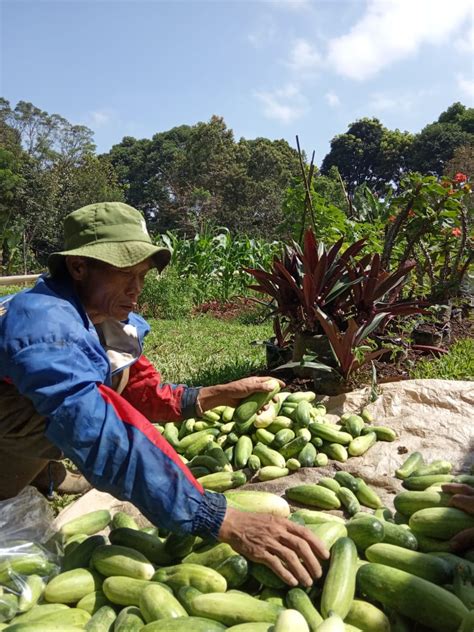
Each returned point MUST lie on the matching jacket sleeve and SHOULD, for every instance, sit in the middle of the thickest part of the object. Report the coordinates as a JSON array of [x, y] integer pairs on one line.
[[156, 400], [116, 448]]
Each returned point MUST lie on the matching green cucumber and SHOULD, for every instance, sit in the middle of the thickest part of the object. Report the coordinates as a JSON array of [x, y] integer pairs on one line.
[[339, 585]]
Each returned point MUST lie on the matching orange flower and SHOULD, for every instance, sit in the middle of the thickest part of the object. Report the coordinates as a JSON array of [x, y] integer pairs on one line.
[[460, 178], [456, 232], [411, 213], [392, 218]]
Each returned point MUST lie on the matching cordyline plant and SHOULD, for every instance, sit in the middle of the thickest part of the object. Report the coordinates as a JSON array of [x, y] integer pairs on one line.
[[315, 290]]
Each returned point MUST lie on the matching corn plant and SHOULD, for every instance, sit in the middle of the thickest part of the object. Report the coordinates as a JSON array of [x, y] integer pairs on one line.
[[216, 261]]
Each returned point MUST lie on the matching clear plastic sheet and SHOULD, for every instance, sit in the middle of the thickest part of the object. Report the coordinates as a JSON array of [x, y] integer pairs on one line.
[[28, 551]]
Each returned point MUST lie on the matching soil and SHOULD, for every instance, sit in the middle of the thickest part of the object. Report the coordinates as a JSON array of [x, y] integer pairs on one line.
[[388, 369]]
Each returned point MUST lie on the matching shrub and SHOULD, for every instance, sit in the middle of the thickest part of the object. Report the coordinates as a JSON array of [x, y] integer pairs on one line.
[[167, 296]]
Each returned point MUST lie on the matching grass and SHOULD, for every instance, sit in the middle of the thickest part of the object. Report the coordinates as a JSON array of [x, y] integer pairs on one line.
[[457, 364], [203, 350]]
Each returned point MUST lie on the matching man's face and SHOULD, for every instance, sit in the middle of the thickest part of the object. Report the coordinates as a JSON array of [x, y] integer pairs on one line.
[[106, 291]]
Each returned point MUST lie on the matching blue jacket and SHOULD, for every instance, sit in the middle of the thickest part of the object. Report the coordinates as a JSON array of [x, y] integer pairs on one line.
[[51, 352]]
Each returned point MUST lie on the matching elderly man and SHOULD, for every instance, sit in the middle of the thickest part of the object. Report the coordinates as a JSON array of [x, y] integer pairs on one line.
[[74, 382]]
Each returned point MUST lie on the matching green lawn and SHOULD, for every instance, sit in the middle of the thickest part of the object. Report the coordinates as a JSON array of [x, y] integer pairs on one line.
[[458, 364], [205, 350]]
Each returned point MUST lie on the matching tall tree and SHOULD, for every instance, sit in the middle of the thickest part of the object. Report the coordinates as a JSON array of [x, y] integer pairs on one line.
[[368, 152]]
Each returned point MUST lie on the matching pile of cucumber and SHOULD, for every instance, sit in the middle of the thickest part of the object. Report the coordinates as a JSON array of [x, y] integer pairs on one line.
[[291, 432], [385, 573]]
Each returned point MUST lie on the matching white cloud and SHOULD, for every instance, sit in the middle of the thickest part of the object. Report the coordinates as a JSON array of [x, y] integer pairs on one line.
[[466, 86], [285, 105], [291, 4], [391, 30], [380, 102], [304, 57], [100, 118], [263, 34], [465, 44], [332, 98]]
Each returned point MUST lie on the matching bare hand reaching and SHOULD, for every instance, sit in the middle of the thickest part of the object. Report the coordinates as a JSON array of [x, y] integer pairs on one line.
[[463, 498], [231, 394], [288, 549]]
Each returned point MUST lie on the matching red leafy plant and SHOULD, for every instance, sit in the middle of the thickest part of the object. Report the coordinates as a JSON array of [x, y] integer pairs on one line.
[[343, 295]]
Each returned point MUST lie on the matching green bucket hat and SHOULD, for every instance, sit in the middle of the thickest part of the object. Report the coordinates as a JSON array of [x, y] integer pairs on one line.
[[112, 232]]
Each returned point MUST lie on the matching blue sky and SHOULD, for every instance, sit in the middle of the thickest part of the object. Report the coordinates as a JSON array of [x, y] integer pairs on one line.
[[272, 69]]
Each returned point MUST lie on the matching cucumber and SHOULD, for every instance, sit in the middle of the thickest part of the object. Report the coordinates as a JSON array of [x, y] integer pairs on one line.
[[281, 423], [270, 472], [80, 557], [419, 483], [314, 495], [400, 536], [259, 502], [293, 448], [222, 481], [234, 569], [39, 612], [349, 500], [254, 463], [330, 483], [252, 404], [409, 502], [330, 433], [321, 460], [205, 579], [366, 495], [339, 586], [273, 595], [365, 531], [310, 516], [418, 599], [408, 466], [242, 452], [282, 437], [266, 576], [436, 467], [328, 532], [268, 456], [157, 603], [440, 522], [360, 445], [300, 396], [303, 413], [292, 620], [32, 587], [122, 519], [102, 621], [112, 560], [129, 620], [184, 624], [297, 599], [432, 545], [71, 586], [93, 602], [211, 555], [383, 433], [354, 424], [307, 455], [265, 436], [234, 608], [335, 451], [293, 464], [124, 591], [347, 480], [367, 617], [88, 524], [420, 564]]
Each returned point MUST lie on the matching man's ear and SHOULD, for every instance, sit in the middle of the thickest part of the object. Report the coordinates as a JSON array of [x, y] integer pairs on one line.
[[77, 267]]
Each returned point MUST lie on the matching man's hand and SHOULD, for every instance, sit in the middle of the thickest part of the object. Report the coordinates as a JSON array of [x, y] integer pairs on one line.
[[287, 548], [232, 393], [463, 498]]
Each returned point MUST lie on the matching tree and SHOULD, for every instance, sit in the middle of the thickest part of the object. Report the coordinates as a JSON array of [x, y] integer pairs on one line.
[[368, 152], [192, 176], [435, 145]]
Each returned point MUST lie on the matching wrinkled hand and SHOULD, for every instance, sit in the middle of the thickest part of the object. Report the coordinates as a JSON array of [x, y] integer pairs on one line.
[[463, 498], [287, 548], [232, 393]]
